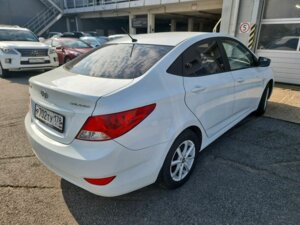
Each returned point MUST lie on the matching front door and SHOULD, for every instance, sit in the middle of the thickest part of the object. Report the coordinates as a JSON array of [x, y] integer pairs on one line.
[[247, 78], [209, 88]]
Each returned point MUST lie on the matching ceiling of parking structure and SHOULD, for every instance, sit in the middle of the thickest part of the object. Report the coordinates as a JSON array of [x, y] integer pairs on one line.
[[199, 15]]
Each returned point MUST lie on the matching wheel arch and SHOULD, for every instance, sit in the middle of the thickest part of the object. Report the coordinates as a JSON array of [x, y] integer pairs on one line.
[[197, 131], [271, 85]]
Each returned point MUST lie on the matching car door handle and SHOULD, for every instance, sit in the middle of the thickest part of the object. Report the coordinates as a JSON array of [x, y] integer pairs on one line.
[[198, 89], [240, 80]]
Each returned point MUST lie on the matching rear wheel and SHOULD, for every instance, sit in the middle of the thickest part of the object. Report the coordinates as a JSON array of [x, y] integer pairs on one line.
[[180, 160], [261, 109], [3, 72]]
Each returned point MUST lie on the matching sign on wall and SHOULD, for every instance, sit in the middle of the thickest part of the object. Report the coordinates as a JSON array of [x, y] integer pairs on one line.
[[245, 27], [139, 22]]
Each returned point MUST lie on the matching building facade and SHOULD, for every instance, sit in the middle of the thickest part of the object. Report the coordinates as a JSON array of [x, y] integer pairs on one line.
[[269, 27]]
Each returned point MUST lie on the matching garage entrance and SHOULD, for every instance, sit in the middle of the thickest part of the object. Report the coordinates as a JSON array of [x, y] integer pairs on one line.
[[279, 39]]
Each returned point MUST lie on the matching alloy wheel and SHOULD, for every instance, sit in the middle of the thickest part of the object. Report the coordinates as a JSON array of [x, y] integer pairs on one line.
[[182, 160]]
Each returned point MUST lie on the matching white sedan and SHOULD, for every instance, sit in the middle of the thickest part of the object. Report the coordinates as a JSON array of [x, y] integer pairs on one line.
[[137, 111]]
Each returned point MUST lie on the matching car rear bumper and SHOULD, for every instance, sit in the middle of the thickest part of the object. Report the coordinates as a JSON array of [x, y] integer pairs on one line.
[[80, 159]]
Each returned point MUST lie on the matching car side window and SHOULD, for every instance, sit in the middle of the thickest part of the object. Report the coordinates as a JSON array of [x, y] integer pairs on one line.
[[238, 56], [203, 58], [176, 67]]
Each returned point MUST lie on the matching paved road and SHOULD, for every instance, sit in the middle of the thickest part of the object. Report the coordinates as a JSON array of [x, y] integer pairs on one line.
[[251, 175]]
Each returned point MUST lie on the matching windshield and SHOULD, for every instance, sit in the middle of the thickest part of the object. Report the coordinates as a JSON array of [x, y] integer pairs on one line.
[[91, 41], [17, 35], [119, 61], [71, 43]]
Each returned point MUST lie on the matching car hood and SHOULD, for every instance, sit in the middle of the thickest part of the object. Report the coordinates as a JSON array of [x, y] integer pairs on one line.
[[23, 44]]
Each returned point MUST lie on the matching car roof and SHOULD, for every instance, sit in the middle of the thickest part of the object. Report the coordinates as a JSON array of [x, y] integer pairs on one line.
[[165, 38], [12, 27], [87, 37], [65, 39]]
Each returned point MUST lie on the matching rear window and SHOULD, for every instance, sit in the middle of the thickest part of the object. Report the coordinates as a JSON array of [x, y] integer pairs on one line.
[[120, 61]]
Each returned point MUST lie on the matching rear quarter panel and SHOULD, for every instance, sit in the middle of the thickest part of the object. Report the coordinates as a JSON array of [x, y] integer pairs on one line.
[[165, 123]]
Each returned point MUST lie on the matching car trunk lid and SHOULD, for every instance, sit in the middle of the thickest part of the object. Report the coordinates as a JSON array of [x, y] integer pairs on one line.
[[71, 96]]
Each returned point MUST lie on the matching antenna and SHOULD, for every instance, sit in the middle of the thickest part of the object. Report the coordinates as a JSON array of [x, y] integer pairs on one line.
[[132, 39]]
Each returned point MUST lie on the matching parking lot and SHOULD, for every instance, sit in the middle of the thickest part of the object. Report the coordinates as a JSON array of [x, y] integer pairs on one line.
[[251, 175]]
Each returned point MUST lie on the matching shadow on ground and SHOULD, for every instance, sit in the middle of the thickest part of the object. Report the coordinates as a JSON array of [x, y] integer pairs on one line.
[[20, 77], [251, 175]]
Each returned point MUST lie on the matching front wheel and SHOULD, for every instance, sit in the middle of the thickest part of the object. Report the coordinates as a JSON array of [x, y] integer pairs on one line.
[[180, 160], [261, 109], [3, 72], [67, 59]]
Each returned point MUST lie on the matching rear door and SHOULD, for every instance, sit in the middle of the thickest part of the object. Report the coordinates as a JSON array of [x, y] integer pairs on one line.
[[247, 76], [209, 87]]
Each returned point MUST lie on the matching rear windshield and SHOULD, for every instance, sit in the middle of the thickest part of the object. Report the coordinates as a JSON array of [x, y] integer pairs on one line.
[[17, 35], [120, 61]]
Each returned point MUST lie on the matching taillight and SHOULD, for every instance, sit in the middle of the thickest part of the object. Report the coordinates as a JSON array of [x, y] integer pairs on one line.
[[100, 181], [110, 126]]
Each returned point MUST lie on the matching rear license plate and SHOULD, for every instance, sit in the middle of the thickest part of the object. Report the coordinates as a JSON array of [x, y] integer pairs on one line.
[[36, 60], [50, 118]]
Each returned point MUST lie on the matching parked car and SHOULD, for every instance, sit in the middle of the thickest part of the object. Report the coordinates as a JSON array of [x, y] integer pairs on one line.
[[116, 36], [75, 34], [132, 113], [53, 34], [68, 48], [21, 50], [93, 41], [92, 33]]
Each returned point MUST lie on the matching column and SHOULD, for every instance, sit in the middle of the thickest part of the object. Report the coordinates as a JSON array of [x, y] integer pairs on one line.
[[68, 24], [132, 30], [191, 24], [173, 25], [151, 23]]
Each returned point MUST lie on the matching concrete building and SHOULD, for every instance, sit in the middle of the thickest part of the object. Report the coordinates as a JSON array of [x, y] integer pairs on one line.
[[269, 27]]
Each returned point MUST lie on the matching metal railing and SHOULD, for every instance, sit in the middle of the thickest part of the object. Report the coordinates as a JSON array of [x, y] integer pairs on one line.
[[69, 4], [43, 20]]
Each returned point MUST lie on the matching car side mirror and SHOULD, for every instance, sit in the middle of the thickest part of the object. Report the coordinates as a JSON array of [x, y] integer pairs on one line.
[[264, 62]]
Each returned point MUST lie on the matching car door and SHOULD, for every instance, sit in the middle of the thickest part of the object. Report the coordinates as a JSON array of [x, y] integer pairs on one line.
[[247, 78], [209, 87]]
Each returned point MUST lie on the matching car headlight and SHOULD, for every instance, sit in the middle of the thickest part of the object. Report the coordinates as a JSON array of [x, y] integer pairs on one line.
[[51, 51], [9, 51]]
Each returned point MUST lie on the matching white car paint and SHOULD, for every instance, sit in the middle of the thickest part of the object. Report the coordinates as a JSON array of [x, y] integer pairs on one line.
[[210, 103], [17, 58]]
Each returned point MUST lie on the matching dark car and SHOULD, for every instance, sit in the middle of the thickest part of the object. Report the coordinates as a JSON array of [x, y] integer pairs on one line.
[[68, 48], [74, 34], [54, 34]]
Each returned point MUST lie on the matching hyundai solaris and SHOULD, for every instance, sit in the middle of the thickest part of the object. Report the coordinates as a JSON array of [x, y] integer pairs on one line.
[[139, 110]]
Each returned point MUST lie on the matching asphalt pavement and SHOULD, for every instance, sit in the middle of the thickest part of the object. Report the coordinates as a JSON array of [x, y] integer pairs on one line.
[[251, 175]]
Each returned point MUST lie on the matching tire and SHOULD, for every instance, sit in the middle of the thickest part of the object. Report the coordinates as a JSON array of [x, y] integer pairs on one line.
[[67, 59], [261, 109], [3, 72], [173, 176]]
